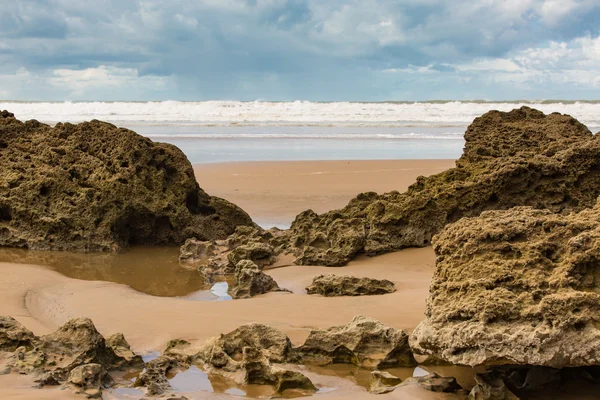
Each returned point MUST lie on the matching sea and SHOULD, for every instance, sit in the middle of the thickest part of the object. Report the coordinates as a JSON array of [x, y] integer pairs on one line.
[[234, 131]]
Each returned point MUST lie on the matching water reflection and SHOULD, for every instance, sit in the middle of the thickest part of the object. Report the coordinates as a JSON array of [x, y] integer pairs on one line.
[[152, 270]]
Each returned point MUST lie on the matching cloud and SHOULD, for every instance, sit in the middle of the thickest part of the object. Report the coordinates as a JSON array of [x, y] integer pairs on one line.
[[299, 49]]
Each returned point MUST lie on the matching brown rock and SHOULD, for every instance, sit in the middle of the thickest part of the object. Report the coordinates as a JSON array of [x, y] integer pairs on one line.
[[226, 351], [515, 287], [384, 382], [364, 342], [154, 377], [435, 383], [90, 376], [122, 349], [335, 285], [251, 281], [490, 386], [14, 335], [96, 187]]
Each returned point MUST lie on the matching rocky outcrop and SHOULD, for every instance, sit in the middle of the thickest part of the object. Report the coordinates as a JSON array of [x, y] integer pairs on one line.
[[517, 158], [96, 187], [364, 342], [76, 354], [335, 285], [154, 376], [516, 287], [251, 281]]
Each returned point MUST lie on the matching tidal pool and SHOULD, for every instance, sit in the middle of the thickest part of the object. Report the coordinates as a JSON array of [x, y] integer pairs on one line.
[[151, 270]]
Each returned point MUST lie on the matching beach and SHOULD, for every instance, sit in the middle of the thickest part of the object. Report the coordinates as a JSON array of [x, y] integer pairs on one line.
[[42, 299]]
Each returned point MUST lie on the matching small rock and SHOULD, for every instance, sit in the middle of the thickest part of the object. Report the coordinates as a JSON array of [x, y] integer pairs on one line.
[[334, 285], [259, 253], [490, 386], [251, 281], [364, 341], [384, 382]]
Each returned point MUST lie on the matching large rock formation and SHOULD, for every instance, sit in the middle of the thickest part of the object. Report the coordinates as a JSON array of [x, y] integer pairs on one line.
[[521, 157], [516, 287], [96, 187], [336, 285], [364, 342]]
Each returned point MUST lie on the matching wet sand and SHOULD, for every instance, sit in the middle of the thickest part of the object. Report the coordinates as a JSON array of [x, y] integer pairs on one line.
[[42, 298], [273, 193]]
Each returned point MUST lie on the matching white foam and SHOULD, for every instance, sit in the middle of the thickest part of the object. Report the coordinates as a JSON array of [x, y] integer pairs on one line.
[[297, 113]]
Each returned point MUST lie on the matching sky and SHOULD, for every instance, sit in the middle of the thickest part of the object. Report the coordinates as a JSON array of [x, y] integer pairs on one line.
[[320, 50]]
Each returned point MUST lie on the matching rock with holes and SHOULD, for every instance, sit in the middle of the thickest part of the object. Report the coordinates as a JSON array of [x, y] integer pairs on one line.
[[364, 341], [96, 187], [90, 376], [338, 285], [251, 281], [154, 376], [521, 157], [515, 287], [76, 355], [14, 335], [225, 352], [490, 386]]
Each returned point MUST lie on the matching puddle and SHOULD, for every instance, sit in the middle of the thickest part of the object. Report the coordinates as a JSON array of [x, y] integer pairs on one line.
[[192, 379], [151, 270], [362, 377]]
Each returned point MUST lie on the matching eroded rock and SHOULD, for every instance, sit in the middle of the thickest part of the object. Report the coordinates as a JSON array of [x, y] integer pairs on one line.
[[336, 285], [364, 341], [490, 386], [521, 157], [251, 281], [75, 354], [96, 187], [225, 352], [516, 287]]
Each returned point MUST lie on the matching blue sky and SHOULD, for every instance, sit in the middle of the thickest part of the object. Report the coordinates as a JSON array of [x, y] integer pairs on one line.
[[328, 50]]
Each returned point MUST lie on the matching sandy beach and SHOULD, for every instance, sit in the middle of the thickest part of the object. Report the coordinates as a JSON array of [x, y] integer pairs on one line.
[[42, 299], [273, 193]]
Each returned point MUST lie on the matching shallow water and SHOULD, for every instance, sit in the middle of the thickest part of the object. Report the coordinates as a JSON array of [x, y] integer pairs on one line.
[[151, 270]]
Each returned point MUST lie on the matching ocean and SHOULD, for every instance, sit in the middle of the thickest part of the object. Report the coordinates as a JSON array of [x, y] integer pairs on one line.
[[229, 131]]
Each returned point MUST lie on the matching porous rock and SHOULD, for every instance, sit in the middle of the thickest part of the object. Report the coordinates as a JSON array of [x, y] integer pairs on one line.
[[490, 386], [76, 353], [154, 377], [225, 352], [516, 158], [251, 281], [364, 342], [96, 187], [515, 287], [335, 285]]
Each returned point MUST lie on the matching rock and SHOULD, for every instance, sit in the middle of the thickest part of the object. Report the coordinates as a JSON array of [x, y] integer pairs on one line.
[[122, 349], [90, 376], [260, 254], [76, 343], [96, 187], [363, 342], [335, 285], [154, 376], [76, 353], [14, 335], [196, 251], [251, 281], [226, 351], [490, 386], [292, 380], [383, 382], [521, 157], [435, 383], [515, 287], [259, 371]]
